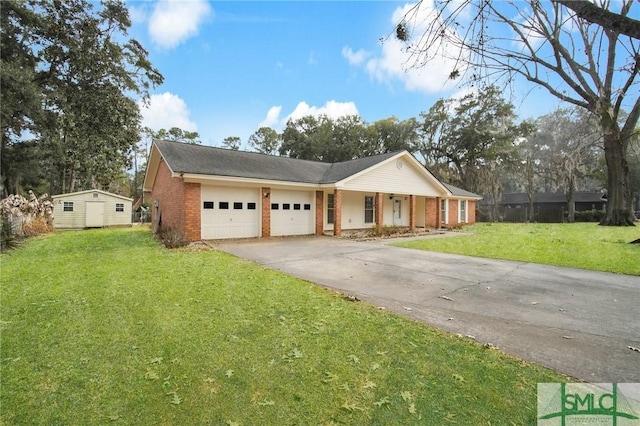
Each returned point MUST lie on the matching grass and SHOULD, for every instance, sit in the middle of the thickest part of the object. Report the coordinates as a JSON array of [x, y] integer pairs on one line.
[[577, 245], [108, 327]]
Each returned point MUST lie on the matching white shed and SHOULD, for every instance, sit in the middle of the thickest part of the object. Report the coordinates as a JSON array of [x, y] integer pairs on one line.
[[91, 209]]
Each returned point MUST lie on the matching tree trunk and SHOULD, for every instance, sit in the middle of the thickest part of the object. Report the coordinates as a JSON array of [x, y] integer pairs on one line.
[[571, 203], [618, 189]]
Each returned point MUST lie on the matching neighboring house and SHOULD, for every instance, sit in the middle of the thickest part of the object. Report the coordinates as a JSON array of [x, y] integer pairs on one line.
[[583, 200], [553, 206], [215, 193], [90, 209]]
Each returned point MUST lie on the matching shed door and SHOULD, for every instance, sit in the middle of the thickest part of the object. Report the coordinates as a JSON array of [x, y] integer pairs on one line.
[[94, 214]]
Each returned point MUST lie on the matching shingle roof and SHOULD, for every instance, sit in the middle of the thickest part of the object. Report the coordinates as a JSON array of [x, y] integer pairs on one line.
[[207, 160], [459, 192]]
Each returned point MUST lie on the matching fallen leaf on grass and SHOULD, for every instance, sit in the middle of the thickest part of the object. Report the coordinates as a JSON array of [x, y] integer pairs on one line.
[[458, 377], [354, 359], [406, 396], [412, 408], [369, 385], [157, 360], [229, 373], [351, 407], [383, 401], [266, 403]]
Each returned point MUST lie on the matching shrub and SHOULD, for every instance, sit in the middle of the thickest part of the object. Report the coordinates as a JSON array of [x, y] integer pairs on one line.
[[36, 226], [589, 216], [7, 237], [171, 237]]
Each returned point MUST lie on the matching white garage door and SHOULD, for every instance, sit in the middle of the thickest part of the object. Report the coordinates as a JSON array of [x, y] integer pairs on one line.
[[292, 213], [230, 212]]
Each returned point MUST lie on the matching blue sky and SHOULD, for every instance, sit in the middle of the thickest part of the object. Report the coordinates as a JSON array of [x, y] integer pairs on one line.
[[233, 66]]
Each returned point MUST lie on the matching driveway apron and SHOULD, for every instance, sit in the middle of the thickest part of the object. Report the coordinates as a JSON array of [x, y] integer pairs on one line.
[[582, 323]]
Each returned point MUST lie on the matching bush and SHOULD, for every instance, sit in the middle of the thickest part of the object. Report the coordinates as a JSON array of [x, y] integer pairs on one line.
[[589, 216], [36, 226], [7, 237], [171, 237]]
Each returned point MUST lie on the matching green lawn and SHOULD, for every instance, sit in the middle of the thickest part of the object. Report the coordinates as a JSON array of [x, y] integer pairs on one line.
[[577, 245], [108, 327]]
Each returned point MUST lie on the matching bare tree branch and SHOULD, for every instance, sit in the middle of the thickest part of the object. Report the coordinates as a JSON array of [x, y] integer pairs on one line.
[[606, 19]]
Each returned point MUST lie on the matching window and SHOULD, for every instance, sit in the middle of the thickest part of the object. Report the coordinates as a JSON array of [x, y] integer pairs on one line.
[[368, 209], [296, 206], [223, 205], [95, 195], [207, 205], [275, 206], [443, 211], [120, 207], [462, 211], [251, 206], [307, 206], [237, 206], [330, 208], [286, 206], [67, 206]]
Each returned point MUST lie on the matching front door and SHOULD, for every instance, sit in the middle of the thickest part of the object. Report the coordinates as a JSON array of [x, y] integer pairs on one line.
[[397, 211], [94, 214]]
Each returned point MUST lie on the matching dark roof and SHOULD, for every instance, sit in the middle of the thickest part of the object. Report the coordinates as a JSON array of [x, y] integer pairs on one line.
[[207, 160], [459, 191], [553, 197]]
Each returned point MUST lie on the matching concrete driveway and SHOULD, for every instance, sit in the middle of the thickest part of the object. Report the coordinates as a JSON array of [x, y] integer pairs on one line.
[[574, 321]]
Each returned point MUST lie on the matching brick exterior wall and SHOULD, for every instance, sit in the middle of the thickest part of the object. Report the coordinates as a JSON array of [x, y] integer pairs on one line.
[[168, 194], [453, 213], [319, 212], [337, 221], [471, 213], [266, 211], [192, 211], [178, 204], [431, 207]]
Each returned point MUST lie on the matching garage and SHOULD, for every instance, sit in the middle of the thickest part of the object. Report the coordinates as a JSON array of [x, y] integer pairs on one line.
[[292, 213], [229, 212]]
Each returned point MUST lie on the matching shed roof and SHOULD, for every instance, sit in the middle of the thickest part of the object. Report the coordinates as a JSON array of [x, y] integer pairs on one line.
[[88, 191]]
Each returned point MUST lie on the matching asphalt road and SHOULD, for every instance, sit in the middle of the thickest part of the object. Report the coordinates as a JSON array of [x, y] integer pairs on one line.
[[578, 322]]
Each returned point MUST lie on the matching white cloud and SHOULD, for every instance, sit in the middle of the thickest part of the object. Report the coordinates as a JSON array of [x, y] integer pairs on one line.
[[165, 111], [331, 109], [395, 63], [273, 117], [355, 58], [172, 22]]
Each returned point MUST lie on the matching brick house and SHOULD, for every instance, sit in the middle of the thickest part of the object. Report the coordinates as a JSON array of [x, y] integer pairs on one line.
[[215, 193]]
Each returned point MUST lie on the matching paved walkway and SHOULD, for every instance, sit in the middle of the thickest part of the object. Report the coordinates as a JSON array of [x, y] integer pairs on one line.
[[579, 322]]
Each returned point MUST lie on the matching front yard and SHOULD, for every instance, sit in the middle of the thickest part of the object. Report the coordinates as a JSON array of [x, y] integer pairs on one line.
[[576, 245], [108, 327]]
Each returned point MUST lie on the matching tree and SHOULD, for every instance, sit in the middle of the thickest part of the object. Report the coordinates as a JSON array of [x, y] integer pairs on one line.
[[82, 71], [265, 140], [580, 57], [231, 142], [391, 134]]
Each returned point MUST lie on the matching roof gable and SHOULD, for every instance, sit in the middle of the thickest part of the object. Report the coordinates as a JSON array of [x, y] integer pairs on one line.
[[90, 191]]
